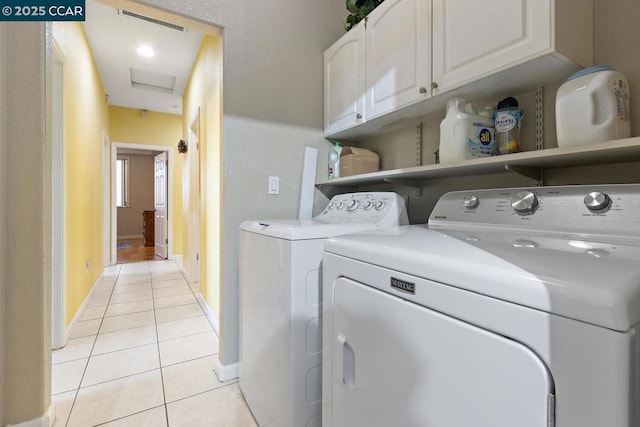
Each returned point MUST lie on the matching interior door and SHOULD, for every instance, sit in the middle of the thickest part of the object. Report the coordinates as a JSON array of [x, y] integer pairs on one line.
[[160, 201], [396, 363]]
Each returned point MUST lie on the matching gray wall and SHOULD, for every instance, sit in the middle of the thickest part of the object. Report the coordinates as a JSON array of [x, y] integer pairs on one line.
[[25, 241], [273, 108], [141, 181]]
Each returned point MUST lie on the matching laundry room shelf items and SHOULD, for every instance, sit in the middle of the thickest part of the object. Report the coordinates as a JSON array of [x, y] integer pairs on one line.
[[530, 163]]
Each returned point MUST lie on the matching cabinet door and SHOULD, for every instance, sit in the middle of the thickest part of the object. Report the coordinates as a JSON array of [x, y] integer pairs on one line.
[[398, 51], [399, 364], [344, 82], [473, 39]]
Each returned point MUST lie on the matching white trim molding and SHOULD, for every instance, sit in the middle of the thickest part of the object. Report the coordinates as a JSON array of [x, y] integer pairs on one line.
[[227, 372], [213, 319], [134, 236], [179, 261], [114, 211], [46, 420], [82, 308]]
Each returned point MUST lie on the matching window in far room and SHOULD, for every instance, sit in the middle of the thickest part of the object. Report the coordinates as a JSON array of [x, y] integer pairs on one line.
[[122, 182]]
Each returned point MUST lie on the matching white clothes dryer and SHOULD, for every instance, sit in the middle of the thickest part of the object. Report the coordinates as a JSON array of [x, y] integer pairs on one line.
[[280, 304], [513, 307]]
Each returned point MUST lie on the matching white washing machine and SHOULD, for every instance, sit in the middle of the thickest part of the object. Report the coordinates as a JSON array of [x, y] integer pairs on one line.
[[514, 307], [280, 304]]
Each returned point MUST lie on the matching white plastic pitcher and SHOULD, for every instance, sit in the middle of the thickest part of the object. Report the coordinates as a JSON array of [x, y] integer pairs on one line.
[[593, 106], [453, 132]]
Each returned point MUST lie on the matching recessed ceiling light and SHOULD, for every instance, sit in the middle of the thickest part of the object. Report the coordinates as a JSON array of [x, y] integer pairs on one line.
[[145, 51]]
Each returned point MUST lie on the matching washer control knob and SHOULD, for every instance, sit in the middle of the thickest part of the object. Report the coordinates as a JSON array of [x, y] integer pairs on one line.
[[352, 205], [379, 205], [367, 205], [524, 202], [596, 201], [331, 206], [339, 205], [472, 202]]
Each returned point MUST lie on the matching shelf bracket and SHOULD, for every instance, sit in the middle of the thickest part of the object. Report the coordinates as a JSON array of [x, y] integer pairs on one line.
[[530, 172], [540, 118]]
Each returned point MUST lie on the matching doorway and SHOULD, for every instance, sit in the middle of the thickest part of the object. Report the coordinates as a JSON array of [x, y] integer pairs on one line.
[[133, 210]]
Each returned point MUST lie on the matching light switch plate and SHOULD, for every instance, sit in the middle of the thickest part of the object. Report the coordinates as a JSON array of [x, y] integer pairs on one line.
[[274, 185]]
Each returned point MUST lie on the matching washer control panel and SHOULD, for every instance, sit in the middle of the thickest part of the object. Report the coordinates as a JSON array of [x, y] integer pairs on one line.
[[588, 209], [373, 206]]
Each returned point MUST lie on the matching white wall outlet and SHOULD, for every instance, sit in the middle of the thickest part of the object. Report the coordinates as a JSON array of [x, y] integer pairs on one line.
[[274, 185]]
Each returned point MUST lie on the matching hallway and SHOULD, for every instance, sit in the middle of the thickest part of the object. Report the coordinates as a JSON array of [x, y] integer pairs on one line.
[[143, 354]]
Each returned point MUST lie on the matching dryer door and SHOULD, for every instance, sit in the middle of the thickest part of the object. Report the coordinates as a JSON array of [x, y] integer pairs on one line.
[[400, 364]]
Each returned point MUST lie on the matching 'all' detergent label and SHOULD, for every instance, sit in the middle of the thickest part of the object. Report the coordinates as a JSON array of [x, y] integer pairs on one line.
[[481, 141]]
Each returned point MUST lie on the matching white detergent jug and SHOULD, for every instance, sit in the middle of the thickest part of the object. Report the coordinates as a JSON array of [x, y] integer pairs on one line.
[[481, 141], [593, 106], [466, 132], [453, 132]]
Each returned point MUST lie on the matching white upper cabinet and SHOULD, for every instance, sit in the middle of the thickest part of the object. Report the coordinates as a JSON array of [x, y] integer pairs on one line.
[[474, 39], [420, 53], [344, 84], [398, 51]]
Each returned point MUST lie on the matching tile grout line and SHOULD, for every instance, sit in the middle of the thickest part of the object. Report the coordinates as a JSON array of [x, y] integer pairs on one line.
[[120, 378], [119, 274], [205, 392], [91, 351], [164, 392], [127, 416], [204, 312]]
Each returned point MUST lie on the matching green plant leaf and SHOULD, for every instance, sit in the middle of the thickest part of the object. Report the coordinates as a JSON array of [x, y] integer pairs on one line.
[[351, 6], [359, 9]]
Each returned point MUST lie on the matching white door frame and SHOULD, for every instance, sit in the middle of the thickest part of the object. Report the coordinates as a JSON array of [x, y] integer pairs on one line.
[[112, 184], [58, 207], [106, 215], [195, 185]]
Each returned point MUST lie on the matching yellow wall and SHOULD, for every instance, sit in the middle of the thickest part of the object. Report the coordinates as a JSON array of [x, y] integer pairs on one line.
[[204, 92], [85, 119], [128, 125]]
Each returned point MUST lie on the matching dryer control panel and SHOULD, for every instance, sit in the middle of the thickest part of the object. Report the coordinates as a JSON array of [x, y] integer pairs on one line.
[[607, 210], [381, 207]]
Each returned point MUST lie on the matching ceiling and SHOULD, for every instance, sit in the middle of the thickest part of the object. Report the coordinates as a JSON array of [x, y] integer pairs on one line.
[[130, 79]]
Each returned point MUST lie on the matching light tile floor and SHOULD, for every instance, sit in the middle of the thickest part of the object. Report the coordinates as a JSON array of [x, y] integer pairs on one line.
[[143, 354]]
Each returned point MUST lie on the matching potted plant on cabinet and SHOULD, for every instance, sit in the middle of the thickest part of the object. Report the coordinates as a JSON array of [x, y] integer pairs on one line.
[[358, 10]]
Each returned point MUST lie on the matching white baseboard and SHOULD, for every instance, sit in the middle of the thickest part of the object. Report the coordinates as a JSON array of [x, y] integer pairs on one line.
[[178, 260], [223, 372], [46, 420], [80, 311], [213, 319], [135, 236], [227, 372]]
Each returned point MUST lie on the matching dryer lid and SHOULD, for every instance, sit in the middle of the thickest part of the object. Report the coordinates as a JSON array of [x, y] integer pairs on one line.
[[594, 282]]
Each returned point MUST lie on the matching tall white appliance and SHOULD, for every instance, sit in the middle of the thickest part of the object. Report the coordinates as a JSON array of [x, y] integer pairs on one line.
[[281, 304], [513, 307]]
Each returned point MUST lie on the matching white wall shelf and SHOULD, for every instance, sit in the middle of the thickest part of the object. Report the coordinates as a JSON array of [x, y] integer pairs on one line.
[[529, 163]]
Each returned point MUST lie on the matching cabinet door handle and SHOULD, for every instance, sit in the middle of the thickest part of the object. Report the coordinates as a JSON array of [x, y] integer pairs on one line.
[[423, 90], [358, 116], [434, 85]]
